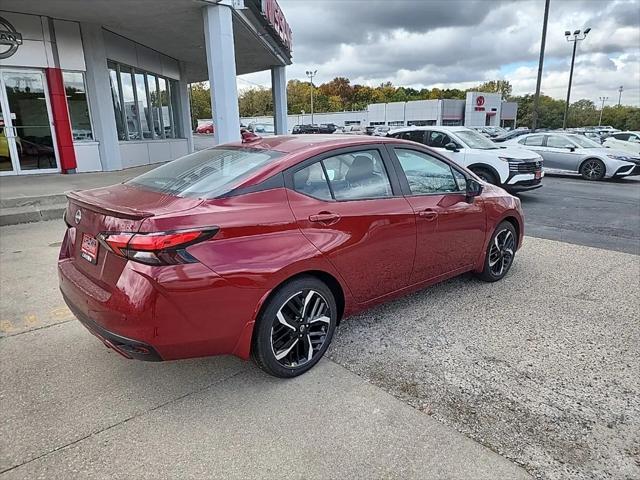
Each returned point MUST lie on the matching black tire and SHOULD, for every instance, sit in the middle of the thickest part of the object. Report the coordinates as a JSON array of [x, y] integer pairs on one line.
[[501, 252], [593, 169], [486, 175], [280, 328]]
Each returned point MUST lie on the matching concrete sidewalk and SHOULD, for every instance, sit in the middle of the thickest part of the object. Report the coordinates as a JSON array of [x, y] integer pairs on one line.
[[77, 410], [33, 198]]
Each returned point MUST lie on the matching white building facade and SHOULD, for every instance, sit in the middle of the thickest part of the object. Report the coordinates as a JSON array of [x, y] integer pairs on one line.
[[104, 86], [491, 111]]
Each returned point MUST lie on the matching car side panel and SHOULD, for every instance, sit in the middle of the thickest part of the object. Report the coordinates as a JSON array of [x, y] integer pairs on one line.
[[259, 246]]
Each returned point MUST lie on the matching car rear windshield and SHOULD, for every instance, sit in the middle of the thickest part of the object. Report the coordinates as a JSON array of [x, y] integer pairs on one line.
[[205, 174]]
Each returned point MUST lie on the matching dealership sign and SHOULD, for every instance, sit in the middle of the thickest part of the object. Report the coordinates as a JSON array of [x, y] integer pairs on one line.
[[273, 13], [10, 40], [479, 103]]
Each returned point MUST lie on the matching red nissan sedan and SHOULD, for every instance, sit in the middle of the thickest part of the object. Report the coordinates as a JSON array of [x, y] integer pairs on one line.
[[259, 248]]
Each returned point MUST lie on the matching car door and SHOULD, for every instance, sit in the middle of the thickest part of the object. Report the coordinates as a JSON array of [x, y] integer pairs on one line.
[[349, 207], [562, 153], [450, 229]]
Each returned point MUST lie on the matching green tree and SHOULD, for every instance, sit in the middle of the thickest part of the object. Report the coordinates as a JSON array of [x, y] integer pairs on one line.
[[200, 102]]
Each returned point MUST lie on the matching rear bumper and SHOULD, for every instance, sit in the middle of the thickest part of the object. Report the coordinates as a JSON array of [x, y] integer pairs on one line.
[[164, 314], [126, 347]]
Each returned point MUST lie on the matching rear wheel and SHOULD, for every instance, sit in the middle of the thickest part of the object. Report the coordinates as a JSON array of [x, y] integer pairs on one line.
[[592, 169], [486, 175], [500, 253], [295, 328]]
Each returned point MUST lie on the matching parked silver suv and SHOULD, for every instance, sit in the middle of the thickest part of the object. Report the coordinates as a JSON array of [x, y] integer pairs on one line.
[[572, 153]]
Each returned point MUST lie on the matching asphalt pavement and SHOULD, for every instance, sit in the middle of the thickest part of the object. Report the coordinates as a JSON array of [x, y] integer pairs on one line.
[[603, 214]]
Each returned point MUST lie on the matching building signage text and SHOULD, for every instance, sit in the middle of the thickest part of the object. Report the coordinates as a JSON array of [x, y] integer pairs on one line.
[[273, 13]]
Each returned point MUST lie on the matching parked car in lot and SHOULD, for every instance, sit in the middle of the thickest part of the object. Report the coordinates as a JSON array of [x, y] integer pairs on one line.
[[353, 130], [489, 131], [571, 153], [262, 129], [627, 141], [260, 248], [205, 127], [510, 134], [381, 131], [511, 168], [323, 128], [370, 129]]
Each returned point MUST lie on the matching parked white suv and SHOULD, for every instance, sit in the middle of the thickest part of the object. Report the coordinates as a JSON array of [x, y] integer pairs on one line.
[[627, 141], [510, 168]]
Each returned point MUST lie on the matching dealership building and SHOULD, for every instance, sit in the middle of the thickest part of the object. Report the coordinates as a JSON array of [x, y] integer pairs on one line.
[[103, 85], [479, 109]]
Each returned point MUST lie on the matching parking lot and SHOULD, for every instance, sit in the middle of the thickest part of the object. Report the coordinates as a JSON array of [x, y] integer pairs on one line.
[[537, 373]]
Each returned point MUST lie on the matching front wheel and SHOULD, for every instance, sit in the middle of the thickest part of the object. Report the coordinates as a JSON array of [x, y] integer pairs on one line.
[[500, 253], [295, 328], [486, 175], [593, 169]]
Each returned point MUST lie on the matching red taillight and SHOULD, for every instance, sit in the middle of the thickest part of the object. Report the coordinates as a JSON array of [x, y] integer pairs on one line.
[[158, 248]]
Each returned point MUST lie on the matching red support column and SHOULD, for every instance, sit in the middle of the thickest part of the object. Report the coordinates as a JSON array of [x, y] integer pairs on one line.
[[61, 120]]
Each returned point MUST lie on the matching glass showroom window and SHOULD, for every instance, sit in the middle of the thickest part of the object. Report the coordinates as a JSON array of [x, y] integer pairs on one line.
[[144, 103], [76, 92]]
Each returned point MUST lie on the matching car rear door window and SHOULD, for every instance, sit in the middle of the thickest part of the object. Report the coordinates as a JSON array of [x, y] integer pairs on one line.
[[556, 141], [358, 175], [312, 181], [427, 174], [414, 136], [533, 140]]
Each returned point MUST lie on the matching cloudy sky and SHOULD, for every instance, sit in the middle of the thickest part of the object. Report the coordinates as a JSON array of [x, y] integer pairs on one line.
[[460, 43]]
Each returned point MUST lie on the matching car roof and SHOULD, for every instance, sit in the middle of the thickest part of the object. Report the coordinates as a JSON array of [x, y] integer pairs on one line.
[[300, 147], [306, 142]]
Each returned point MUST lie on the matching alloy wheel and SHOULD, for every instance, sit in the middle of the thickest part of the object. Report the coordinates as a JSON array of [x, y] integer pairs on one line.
[[300, 328], [501, 252], [592, 170]]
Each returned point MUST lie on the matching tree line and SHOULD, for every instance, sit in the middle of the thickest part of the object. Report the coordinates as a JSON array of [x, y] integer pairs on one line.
[[339, 95]]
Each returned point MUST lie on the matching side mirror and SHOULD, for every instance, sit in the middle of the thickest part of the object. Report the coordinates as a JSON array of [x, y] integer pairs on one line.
[[451, 147], [474, 188], [572, 149]]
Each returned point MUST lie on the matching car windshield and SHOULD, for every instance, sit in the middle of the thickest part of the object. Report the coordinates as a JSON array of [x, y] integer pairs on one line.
[[475, 140], [205, 174], [583, 141]]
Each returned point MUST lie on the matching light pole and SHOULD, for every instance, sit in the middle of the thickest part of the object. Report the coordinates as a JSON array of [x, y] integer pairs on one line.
[[602, 99], [311, 74], [575, 38], [620, 94], [536, 101]]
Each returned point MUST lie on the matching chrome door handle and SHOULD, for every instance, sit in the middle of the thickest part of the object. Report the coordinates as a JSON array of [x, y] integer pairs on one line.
[[428, 214], [327, 218]]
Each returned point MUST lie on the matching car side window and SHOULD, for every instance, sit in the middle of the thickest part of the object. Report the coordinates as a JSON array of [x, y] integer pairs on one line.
[[555, 141], [414, 136], [621, 136], [437, 139], [634, 139], [312, 181], [427, 174], [358, 175], [533, 140]]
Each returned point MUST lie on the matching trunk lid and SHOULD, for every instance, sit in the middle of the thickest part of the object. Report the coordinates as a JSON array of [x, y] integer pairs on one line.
[[118, 208]]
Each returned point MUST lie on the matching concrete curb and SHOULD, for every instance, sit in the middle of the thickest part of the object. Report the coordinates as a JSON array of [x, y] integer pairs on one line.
[[31, 214], [40, 200]]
